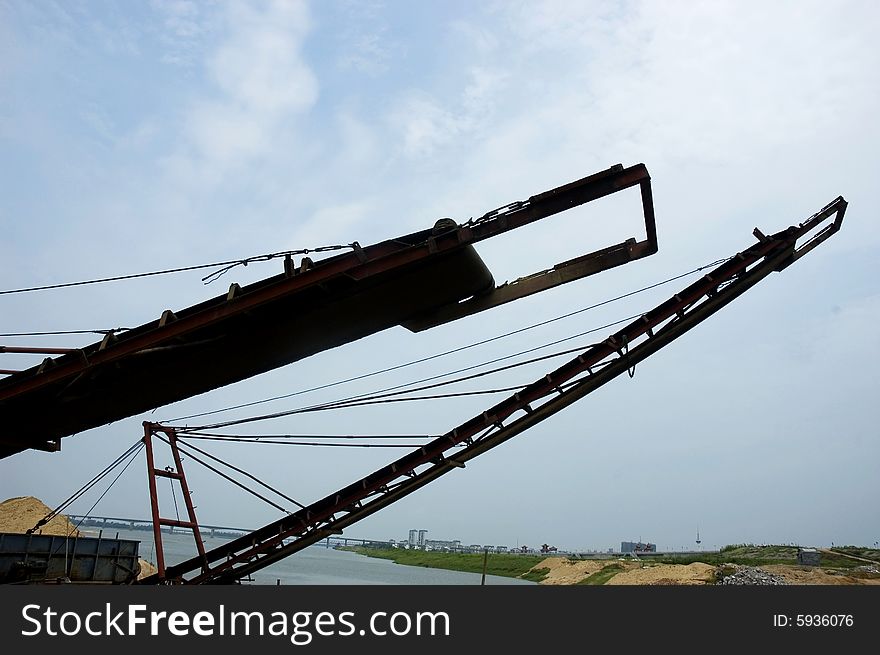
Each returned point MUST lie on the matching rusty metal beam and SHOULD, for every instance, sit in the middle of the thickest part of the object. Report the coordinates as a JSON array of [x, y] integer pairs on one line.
[[36, 351], [374, 259], [563, 273], [287, 317], [601, 184]]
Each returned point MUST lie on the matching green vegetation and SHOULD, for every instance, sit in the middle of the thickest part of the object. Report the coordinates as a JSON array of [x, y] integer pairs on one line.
[[835, 561], [752, 555], [784, 554], [511, 566], [716, 560], [859, 551], [743, 554], [603, 576], [521, 566], [535, 575]]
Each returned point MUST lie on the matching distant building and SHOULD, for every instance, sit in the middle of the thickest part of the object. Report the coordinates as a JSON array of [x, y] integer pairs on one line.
[[413, 538], [442, 544], [422, 534], [637, 547], [808, 557]]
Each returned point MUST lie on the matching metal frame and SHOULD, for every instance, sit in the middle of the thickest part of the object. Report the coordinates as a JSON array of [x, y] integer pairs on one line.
[[180, 329], [554, 201], [151, 429], [596, 366]]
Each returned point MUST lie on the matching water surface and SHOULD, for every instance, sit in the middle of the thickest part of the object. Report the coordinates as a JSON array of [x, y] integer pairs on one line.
[[315, 565]]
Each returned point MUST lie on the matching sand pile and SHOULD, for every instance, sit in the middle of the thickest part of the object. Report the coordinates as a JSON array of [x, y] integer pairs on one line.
[[563, 571], [147, 569], [566, 571], [19, 515], [666, 574]]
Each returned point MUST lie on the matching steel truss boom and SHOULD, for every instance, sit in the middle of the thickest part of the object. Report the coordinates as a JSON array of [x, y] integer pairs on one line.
[[591, 369]]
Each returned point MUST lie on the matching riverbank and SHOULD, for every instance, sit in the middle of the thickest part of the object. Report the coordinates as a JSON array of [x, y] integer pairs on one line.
[[524, 567], [742, 564]]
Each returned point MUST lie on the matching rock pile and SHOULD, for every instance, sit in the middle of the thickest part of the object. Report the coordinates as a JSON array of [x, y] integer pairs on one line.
[[749, 575], [872, 569]]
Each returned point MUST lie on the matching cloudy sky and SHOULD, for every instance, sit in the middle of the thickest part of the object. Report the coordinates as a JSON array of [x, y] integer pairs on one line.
[[142, 136]]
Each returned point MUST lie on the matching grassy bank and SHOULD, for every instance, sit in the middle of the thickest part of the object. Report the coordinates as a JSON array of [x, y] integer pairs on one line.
[[510, 566], [752, 555], [603, 576], [520, 566]]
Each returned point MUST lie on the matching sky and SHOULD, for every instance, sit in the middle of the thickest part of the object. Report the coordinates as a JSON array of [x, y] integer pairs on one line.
[[152, 135]]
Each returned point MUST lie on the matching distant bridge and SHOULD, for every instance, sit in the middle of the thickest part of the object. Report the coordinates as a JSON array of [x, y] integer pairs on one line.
[[107, 522], [147, 524]]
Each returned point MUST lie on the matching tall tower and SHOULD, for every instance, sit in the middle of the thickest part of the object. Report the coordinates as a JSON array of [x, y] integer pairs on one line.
[[412, 537], [422, 534]]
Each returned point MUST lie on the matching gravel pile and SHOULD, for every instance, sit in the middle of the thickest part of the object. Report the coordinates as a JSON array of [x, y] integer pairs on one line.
[[748, 575], [867, 569]]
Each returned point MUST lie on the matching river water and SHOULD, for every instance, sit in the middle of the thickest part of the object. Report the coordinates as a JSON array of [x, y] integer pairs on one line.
[[315, 565]]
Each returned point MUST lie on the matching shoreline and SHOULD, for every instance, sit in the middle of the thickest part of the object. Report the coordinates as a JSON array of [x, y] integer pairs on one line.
[[734, 565]]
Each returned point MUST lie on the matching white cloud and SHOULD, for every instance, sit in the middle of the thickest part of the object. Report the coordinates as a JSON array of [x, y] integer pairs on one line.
[[733, 101], [365, 42], [99, 122], [330, 225], [366, 53], [182, 17], [185, 27], [427, 124], [561, 24], [263, 85], [359, 142], [704, 81], [482, 39], [259, 66]]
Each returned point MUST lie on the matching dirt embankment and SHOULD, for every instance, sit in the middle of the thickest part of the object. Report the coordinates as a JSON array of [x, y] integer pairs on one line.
[[666, 574], [815, 576], [563, 571]]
